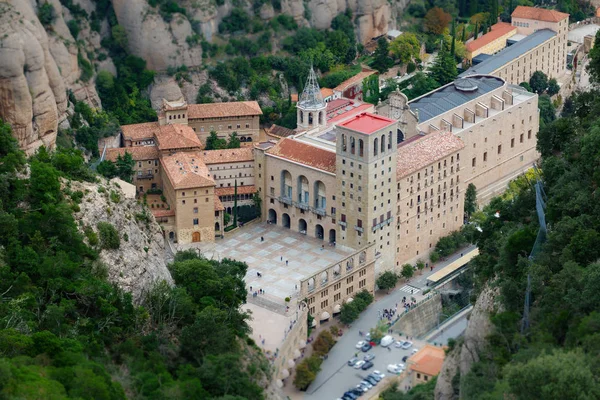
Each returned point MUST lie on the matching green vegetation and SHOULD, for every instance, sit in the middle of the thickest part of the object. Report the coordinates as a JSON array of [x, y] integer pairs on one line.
[[387, 280], [423, 391], [307, 369], [470, 200], [109, 237], [66, 332], [46, 14], [407, 271], [351, 311], [122, 168]]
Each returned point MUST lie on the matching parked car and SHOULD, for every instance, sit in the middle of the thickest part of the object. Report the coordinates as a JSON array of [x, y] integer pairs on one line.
[[365, 384], [371, 380], [407, 345], [349, 395], [361, 388], [404, 358], [366, 347], [367, 365], [369, 357], [386, 341], [357, 392], [379, 374], [395, 368], [360, 344], [359, 364], [368, 335], [399, 344], [374, 376], [352, 361]]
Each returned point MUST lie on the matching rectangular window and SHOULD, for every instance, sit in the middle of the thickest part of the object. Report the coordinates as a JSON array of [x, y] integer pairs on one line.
[[529, 134], [359, 223], [485, 156], [195, 210], [521, 138], [512, 143], [499, 149], [195, 221], [473, 162]]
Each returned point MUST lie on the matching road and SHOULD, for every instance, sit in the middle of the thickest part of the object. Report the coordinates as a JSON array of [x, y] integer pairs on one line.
[[336, 376], [452, 330]]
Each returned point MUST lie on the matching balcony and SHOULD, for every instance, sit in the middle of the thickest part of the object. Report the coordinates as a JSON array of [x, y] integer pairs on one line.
[[319, 211], [302, 206], [343, 223], [285, 200], [359, 228], [382, 224], [145, 176]]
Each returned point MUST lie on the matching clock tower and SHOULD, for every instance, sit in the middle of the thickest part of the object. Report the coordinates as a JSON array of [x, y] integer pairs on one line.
[[399, 110]]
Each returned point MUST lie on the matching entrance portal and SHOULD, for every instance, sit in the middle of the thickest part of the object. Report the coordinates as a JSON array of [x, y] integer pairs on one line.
[[196, 237]]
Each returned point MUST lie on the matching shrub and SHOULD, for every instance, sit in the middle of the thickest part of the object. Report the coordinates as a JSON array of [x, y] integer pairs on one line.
[[351, 311], [115, 197], [306, 372], [73, 26], [323, 343], [91, 236], [411, 67], [126, 237], [109, 237], [46, 14]]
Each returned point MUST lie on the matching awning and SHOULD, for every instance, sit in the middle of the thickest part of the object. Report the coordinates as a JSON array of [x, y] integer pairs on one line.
[[314, 323], [291, 363], [302, 344], [349, 300], [337, 308], [279, 383], [297, 354], [325, 315], [285, 373]]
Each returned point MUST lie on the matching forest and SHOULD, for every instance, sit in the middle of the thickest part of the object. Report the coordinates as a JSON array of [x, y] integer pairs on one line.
[[66, 332]]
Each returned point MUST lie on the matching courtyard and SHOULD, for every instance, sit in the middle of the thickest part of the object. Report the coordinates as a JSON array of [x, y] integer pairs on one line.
[[282, 259]]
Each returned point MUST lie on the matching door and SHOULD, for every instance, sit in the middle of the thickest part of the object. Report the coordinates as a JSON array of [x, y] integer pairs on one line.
[[196, 237]]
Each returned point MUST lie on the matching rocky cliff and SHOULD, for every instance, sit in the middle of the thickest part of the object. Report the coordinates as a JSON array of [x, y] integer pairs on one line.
[[140, 259], [462, 357]]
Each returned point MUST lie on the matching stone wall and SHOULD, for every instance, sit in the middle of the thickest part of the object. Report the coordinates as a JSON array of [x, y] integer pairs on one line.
[[420, 319]]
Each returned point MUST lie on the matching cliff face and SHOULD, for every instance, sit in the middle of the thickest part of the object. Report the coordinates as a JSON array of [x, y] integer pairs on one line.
[[139, 261], [37, 67], [462, 357]]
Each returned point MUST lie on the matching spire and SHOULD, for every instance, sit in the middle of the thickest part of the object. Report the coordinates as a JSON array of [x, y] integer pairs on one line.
[[311, 97]]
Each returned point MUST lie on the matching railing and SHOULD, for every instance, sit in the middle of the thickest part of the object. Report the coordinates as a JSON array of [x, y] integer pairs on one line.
[[381, 224], [302, 206], [285, 200], [342, 223], [359, 228], [145, 176], [319, 211]]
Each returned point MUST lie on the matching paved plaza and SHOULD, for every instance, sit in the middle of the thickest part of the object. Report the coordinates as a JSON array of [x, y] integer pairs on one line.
[[305, 256]]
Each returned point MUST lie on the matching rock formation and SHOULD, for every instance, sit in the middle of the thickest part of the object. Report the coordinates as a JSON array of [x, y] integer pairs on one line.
[[36, 69], [462, 357], [140, 260]]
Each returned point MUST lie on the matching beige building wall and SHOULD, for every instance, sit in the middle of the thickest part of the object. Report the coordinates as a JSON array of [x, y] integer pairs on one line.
[[491, 48], [430, 206], [247, 127], [225, 174], [146, 175], [328, 289], [527, 26], [500, 144], [366, 201], [289, 213], [294, 341]]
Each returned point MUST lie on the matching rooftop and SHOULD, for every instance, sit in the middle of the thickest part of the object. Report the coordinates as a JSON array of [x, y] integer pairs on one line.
[[498, 30], [176, 136], [137, 153], [367, 123], [221, 110], [218, 205], [162, 213], [447, 97], [280, 131], [303, 153], [225, 191], [511, 53], [227, 155], [358, 78], [428, 360], [394, 33], [186, 170], [139, 131], [539, 14], [416, 154]]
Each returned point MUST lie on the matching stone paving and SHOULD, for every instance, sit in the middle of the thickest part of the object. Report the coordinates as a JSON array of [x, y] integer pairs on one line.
[[305, 256]]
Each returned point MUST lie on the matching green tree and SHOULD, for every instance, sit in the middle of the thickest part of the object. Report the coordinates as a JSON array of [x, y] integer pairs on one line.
[[46, 14], [556, 136], [213, 142], [109, 236], [305, 374], [436, 21], [386, 280], [405, 47], [443, 69], [538, 82], [124, 166], [553, 87], [593, 66], [234, 141], [407, 271], [382, 61], [257, 202], [108, 169], [470, 200], [371, 89], [526, 86], [547, 110], [421, 84], [349, 313]]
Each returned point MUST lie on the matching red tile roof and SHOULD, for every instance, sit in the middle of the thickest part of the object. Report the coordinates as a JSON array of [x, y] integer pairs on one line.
[[498, 30], [176, 136], [356, 79], [186, 170], [429, 360], [338, 116], [139, 131], [230, 190], [539, 14], [221, 110], [228, 155], [367, 123], [417, 154], [137, 153], [280, 131], [163, 213], [218, 205], [304, 153]]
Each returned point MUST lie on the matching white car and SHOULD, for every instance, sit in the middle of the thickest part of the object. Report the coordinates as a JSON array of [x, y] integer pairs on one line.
[[360, 344], [365, 384], [359, 364], [415, 350], [378, 374], [362, 388], [394, 369], [399, 344], [407, 345]]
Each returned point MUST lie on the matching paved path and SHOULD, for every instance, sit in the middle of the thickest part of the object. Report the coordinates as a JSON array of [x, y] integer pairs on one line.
[[335, 376]]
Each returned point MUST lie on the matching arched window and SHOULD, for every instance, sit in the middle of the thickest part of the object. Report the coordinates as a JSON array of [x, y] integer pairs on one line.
[[301, 117], [343, 142], [382, 143], [352, 145], [375, 146], [390, 140], [303, 194], [361, 147], [286, 184], [320, 195]]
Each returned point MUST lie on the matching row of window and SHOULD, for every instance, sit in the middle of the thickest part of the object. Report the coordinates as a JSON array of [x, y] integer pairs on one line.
[[220, 128], [512, 145], [178, 116]]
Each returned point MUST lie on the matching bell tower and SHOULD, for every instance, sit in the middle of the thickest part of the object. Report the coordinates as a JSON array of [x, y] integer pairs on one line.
[[311, 109]]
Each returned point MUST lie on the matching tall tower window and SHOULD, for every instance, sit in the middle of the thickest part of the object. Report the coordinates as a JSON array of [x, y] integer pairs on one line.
[[375, 146], [361, 147]]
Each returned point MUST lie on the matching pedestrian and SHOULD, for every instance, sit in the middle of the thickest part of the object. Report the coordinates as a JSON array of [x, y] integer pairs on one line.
[[296, 287], [281, 258], [262, 239], [250, 288], [263, 342], [286, 263]]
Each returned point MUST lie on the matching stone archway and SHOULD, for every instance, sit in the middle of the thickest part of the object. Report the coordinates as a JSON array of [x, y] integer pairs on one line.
[[195, 237], [302, 226], [332, 236], [273, 216], [285, 220], [319, 232]]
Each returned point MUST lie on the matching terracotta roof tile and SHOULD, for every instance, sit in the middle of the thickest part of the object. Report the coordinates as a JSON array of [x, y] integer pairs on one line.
[[230, 190], [139, 131], [186, 170], [304, 153], [218, 205], [138, 153], [163, 213], [227, 155], [428, 360], [358, 78], [416, 154], [280, 131], [176, 136], [230, 109], [498, 30], [539, 14]]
